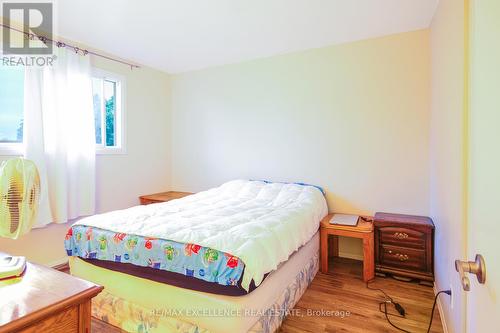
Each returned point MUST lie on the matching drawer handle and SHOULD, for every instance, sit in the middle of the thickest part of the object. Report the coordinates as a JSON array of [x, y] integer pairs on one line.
[[401, 235], [401, 257]]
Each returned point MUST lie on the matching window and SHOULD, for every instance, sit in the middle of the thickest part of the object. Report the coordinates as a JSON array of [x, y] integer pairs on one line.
[[108, 111], [107, 94], [11, 109]]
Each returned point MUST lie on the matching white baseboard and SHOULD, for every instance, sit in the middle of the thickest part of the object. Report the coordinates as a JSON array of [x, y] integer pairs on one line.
[[351, 256], [440, 309]]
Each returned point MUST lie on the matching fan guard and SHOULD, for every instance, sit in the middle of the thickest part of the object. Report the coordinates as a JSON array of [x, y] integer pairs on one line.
[[19, 197]]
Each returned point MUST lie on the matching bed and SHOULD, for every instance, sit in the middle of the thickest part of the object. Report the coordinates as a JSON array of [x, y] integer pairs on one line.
[[244, 253]]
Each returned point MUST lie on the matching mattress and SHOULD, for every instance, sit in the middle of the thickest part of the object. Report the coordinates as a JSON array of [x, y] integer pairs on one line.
[[184, 265], [234, 234], [174, 279], [213, 313]]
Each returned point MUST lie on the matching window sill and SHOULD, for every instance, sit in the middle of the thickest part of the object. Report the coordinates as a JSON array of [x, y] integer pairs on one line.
[[11, 149], [111, 151], [16, 149]]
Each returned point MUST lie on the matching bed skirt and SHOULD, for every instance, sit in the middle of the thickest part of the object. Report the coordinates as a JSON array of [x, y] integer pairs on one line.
[[138, 319]]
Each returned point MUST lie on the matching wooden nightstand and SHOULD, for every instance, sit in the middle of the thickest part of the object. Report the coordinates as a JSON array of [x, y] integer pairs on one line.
[[404, 246], [46, 300], [162, 197], [363, 230]]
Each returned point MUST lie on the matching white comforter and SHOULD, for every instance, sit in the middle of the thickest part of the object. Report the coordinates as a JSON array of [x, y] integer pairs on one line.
[[261, 223]]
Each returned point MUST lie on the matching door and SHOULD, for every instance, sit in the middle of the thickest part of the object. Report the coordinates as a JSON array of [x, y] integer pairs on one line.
[[483, 217]]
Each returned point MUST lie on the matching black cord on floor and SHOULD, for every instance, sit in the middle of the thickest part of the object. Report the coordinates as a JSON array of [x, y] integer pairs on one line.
[[378, 289], [448, 292], [390, 322], [400, 309]]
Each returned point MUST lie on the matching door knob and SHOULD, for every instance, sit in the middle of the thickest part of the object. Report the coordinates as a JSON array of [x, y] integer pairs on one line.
[[476, 267]]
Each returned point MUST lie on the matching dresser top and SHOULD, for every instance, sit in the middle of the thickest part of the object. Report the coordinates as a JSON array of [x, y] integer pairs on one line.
[[38, 291], [403, 219]]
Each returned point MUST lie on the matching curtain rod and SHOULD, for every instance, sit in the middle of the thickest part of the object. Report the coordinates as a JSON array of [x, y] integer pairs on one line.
[[60, 44]]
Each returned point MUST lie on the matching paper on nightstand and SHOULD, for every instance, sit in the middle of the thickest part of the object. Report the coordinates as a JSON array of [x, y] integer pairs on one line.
[[345, 219]]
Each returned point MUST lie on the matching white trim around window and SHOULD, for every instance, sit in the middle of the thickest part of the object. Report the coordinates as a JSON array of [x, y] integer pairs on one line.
[[11, 149], [120, 125]]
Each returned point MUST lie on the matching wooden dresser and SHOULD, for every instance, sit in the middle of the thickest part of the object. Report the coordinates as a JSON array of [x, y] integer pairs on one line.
[[162, 197], [404, 246], [46, 300]]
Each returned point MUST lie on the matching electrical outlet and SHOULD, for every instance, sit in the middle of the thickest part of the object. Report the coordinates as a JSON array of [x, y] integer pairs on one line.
[[451, 296]]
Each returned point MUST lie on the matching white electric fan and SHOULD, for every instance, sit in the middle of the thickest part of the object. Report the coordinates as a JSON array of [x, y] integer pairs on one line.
[[19, 198]]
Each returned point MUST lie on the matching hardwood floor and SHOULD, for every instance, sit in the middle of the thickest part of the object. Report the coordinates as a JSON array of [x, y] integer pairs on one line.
[[343, 290]]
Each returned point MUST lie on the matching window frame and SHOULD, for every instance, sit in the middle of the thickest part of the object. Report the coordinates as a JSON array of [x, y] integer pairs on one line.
[[11, 148], [120, 147], [18, 148]]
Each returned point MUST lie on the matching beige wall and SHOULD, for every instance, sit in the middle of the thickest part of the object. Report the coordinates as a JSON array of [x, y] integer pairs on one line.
[[120, 178], [145, 167], [353, 118], [448, 149]]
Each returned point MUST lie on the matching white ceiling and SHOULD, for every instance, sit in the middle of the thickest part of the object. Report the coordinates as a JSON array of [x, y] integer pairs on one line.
[[182, 35]]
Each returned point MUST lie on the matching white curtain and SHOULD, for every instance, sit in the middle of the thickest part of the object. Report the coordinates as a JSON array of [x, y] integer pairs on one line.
[[59, 136]]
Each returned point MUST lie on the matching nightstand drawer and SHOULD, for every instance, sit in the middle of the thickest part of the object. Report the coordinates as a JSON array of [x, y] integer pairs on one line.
[[404, 245], [402, 237], [400, 257]]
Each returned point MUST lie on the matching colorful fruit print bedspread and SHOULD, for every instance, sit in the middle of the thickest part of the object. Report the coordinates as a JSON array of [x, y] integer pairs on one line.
[[187, 259]]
